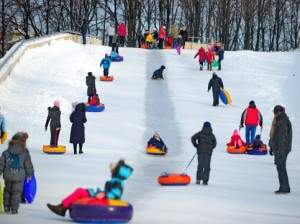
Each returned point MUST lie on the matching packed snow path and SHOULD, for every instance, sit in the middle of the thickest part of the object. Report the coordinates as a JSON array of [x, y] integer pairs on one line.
[[241, 186]]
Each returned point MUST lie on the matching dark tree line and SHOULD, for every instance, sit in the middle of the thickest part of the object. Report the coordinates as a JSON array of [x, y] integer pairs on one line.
[[268, 25]]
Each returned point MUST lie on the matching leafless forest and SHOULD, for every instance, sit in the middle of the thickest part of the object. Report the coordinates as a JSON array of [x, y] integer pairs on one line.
[[260, 25]]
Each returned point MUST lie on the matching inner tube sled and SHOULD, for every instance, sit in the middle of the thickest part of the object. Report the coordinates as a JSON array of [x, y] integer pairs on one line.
[[174, 179], [106, 78], [155, 151], [236, 150], [257, 151], [4, 137], [93, 108], [60, 149]]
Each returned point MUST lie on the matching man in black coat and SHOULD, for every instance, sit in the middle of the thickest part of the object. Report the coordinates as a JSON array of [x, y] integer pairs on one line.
[[158, 74], [216, 84], [91, 84], [184, 35], [220, 53], [205, 141], [280, 146], [84, 29]]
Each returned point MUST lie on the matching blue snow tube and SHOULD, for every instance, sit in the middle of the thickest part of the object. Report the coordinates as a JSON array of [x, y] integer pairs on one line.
[[117, 58], [223, 97], [29, 190], [257, 152], [95, 108]]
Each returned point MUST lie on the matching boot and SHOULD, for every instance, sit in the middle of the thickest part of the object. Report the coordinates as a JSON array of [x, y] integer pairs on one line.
[[80, 151], [198, 182], [57, 209], [205, 183], [14, 211], [75, 151], [6, 209]]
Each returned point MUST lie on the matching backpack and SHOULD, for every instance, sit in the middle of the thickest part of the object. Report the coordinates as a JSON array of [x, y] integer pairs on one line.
[[13, 162]]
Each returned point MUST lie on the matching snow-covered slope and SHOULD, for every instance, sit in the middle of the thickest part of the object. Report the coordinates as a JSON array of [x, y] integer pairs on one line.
[[241, 187]]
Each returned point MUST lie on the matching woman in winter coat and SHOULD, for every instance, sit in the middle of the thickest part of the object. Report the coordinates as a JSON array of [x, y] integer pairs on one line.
[[113, 189], [16, 166], [78, 119], [54, 119]]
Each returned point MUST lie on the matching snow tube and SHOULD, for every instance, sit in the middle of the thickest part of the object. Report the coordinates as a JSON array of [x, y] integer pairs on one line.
[[174, 179], [234, 150], [257, 151], [155, 151], [92, 210], [228, 97], [98, 108], [168, 47], [1, 198], [106, 78], [60, 149], [144, 46], [117, 59], [215, 64], [223, 97], [29, 190], [4, 137]]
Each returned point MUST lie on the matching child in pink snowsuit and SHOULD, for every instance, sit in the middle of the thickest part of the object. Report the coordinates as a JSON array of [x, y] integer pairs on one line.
[[236, 140]]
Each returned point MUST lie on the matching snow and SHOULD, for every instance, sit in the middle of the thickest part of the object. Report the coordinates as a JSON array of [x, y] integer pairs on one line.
[[241, 187]]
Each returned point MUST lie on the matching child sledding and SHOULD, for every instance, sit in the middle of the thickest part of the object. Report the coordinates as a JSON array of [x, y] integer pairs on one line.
[[105, 63], [158, 74], [156, 145], [93, 104]]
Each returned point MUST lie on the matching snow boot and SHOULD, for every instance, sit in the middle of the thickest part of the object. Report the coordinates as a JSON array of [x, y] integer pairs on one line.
[[205, 183], [6, 209], [282, 192], [57, 209], [14, 212], [80, 151], [198, 182]]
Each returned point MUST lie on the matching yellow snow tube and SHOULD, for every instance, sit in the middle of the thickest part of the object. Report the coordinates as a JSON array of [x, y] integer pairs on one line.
[[154, 151], [228, 97], [4, 137], [60, 149]]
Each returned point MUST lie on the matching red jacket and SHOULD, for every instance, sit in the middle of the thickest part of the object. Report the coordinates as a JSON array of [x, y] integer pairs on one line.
[[94, 101], [236, 141], [122, 30], [201, 54], [252, 116], [210, 56], [162, 33]]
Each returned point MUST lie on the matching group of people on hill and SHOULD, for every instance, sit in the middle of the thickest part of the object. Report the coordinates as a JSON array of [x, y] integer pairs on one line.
[[208, 56]]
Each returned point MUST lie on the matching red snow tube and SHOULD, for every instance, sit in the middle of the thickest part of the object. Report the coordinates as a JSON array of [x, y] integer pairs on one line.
[[106, 78], [235, 150], [174, 179]]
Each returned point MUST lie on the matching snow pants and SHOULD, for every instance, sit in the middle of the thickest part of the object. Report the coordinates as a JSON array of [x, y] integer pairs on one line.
[[77, 194], [12, 194], [216, 98], [54, 137], [203, 166], [280, 162]]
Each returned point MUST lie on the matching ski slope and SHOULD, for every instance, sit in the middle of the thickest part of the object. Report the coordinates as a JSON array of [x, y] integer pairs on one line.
[[241, 187]]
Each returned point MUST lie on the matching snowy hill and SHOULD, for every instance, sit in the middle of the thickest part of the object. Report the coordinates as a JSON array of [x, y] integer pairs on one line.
[[241, 186]]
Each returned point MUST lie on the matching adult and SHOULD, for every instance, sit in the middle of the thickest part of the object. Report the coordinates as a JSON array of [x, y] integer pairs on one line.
[[91, 85], [161, 37], [184, 35], [77, 136], [280, 146], [54, 119], [157, 142], [220, 53], [84, 29], [111, 33], [251, 117], [202, 57], [158, 74], [204, 141], [2, 125], [121, 33], [216, 84]]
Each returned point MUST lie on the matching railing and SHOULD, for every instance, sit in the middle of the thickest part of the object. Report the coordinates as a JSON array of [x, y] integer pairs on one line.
[[12, 57]]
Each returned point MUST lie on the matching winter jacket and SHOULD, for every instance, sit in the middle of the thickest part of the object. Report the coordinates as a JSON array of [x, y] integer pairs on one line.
[[84, 27], [155, 35], [2, 124], [216, 84], [157, 143], [78, 119], [162, 33], [236, 141], [283, 135], [111, 31], [251, 116], [158, 74], [149, 38], [54, 117], [122, 30], [169, 40], [105, 62], [184, 35], [90, 82], [205, 141], [220, 54], [201, 54], [210, 56], [94, 101], [15, 163]]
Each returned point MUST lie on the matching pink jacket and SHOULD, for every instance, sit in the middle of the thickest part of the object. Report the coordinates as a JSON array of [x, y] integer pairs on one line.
[[122, 30]]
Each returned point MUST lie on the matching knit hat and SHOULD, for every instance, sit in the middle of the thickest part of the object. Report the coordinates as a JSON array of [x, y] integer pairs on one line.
[[162, 67], [56, 103], [278, 108], [206, 124], [90, 73], [252, 103]]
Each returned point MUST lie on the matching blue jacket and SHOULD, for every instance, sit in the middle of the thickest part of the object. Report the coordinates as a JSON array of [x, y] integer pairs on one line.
[[2, 124], [221, 54], [105, 62]]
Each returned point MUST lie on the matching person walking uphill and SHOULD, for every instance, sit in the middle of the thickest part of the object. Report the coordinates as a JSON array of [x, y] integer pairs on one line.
[[202, 57], [204, 141], [16, 165], [91, 85], [84, 29], [280, 143], [220, 53], [54, 119], [216, 84], [106, 64], [78, 119], [251, 117], [121, 33]]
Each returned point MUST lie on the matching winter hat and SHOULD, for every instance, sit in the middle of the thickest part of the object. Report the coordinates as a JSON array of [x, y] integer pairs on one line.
[[206, 124], [56, 103], [215, 75], [162, 67], [252, 103], [90, 73], [278, 109]]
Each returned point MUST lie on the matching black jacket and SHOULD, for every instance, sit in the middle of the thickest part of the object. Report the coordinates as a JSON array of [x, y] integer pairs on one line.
[[78, 119], [282, 137], [90, 82], [157, 143], [205, 141], [216, 84], [84, 27], [53, 117], [184, 35], [158, 74]]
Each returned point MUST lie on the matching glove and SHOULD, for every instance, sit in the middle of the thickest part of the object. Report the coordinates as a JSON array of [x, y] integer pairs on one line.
[[271, 152]]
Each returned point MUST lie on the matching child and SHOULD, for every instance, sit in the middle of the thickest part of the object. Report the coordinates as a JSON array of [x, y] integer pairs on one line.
[[204, 141], [210, 56], [158, 74], [113, 189], [54, 119], [178, 44], [157, 142], [236, 140], [16, 165], [202, 57], [106, 64], [149, 39], [258, 143], [95, 101]]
